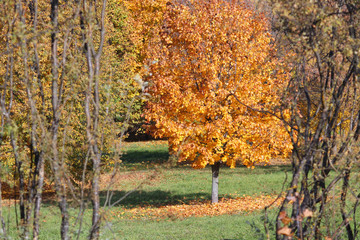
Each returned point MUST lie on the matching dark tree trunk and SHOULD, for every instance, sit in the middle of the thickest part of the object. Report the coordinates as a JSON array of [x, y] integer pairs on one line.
[[215, 182], [20, 172]]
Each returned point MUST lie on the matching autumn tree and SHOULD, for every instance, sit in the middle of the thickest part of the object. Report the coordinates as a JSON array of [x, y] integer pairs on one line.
[[214, 79], [324, 124]]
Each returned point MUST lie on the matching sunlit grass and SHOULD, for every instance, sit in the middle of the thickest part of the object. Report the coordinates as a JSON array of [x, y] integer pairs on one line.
[[145, 169]]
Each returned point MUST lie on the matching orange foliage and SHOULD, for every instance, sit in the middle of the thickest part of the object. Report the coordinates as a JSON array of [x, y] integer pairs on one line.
[[210, 69]]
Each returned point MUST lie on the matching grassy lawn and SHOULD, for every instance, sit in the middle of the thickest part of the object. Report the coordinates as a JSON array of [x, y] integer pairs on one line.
[[219, 227], [239, 226], [179, 185], [159, 185], [144, 155]]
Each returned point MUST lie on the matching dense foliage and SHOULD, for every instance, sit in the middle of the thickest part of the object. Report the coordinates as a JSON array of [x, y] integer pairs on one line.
[[213, 79]]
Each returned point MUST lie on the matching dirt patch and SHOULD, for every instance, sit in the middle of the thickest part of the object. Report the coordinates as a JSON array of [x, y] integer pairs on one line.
[[130, 179], [275, 162], [11, 192]]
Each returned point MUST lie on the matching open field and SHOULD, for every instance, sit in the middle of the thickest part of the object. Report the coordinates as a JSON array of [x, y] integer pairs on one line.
[[172, 202]]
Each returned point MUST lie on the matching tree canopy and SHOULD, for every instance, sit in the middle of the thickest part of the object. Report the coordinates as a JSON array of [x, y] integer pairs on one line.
[[214, 77]]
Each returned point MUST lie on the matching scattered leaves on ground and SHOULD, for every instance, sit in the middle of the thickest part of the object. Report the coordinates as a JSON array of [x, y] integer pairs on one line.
[[198, 208]]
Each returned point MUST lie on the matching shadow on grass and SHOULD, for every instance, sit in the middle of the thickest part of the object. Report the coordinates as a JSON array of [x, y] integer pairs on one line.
[[152, 198], [145, 156], [266, 169], [137, 198]]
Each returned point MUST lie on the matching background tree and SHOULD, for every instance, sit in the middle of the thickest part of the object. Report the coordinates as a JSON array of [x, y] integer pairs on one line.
[[61, 105], [324, 123], [213, 76]]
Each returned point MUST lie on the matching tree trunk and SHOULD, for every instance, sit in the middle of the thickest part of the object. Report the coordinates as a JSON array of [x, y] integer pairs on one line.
[[92, 112], [18, 164], [215, 182], [95, 199], [56, 96], [2, 222], [39, 172]]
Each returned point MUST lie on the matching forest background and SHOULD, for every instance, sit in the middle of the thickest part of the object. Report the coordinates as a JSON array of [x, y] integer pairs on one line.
[[77, 75]]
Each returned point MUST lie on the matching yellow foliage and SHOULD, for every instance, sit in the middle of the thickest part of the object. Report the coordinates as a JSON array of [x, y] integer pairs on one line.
[[117, 88]]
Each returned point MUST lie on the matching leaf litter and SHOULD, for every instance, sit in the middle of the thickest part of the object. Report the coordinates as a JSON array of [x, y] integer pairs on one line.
[[199, 208]]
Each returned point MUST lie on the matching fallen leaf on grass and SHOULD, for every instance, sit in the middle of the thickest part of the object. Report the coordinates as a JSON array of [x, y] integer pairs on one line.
[[285, 231], [307, 213], [200, 208], [284, 218], [291, 199]]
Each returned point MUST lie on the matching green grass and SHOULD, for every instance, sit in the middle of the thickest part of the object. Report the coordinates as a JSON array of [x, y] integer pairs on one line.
[[197, 228], [179, 185], [182, 184], [241, 226], [144, 155], [143, 164]]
